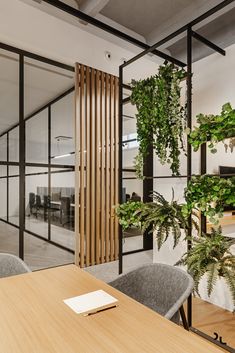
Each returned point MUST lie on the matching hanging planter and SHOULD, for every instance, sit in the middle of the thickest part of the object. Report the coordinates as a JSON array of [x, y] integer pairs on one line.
[[161, 119], [209, 194], [162, 217], [213, 129], [126, 213]]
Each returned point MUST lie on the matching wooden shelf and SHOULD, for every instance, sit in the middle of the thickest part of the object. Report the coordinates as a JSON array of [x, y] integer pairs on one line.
[[228, 219]]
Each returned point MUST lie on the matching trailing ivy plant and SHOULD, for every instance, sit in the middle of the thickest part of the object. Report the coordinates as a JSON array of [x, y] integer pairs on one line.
[[209, 194], [214, 128], [211, 255], [126, 213], [161, 119]]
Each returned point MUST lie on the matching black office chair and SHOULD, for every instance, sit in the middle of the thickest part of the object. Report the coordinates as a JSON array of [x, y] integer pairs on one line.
[[66, 216], [48, 207], [38, 205], [72, 198], [135, 197], [31, 202]]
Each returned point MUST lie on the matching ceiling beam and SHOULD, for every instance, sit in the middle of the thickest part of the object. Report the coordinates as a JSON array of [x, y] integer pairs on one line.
[[103, 26], [93, 7]]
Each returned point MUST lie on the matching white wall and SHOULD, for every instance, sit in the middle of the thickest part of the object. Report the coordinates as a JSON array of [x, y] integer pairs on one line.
[[214, 85]]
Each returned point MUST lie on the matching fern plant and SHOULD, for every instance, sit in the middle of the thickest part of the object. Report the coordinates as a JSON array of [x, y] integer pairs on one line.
[[163, 217], [211, 255], [160, 216]]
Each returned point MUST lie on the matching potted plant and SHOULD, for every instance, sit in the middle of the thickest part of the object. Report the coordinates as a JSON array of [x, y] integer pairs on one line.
[[126, 213], [210, 256], [161, 119], [164, 218], [214, 128], [160, 216], [209, 194]]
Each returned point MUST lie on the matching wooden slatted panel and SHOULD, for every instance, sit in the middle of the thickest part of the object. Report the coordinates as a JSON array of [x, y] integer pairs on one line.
[[97, 166]]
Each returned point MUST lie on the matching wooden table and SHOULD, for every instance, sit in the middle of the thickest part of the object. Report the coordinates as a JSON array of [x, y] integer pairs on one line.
[[34, 319], [58, 203]]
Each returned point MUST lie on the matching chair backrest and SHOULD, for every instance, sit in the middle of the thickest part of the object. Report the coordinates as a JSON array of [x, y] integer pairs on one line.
[[38, 201], [31, 199], [65, 205], [135, 197], [11, 265], [46, 201], [56, 196], [161, 287], [72, 198]]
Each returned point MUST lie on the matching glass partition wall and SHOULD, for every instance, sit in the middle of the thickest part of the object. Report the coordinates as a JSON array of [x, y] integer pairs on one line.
[[37, 153]]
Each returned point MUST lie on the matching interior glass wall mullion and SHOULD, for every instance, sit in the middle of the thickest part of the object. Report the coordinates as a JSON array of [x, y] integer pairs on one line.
[[49, 170], [21, 158], [120, 260], [189, 147], [7, 177]]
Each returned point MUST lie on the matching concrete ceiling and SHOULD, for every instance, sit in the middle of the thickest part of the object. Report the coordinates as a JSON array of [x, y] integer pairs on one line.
[[146, 16], [220, 31], [148, 20]]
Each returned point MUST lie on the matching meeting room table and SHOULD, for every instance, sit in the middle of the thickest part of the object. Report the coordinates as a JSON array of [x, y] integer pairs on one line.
[[34, 319]]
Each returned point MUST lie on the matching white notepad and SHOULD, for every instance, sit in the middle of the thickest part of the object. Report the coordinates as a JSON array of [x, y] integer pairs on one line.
[[91, 302]]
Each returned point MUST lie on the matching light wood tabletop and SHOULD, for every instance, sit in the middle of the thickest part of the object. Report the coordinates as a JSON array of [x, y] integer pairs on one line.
[[34, 319]]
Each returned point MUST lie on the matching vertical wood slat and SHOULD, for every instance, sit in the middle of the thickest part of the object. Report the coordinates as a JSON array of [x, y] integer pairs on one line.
[[82, 161], [96, 166], [88, 174], [92, 165], [77, 164], [111, 110], [102, 165]]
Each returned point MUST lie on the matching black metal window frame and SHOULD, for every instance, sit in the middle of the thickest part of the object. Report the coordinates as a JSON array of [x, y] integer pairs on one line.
[[148, 182], [22, 163]]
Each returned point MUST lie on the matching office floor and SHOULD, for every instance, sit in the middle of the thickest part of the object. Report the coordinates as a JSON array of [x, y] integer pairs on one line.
[[109, 271], [41, 254], [38, 253], [210, 318]]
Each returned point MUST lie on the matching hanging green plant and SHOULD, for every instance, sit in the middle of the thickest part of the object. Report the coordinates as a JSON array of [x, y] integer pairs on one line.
[[214, 128], [126, 213], [209, 194], [211, 255], [163, 217], [161, 119]]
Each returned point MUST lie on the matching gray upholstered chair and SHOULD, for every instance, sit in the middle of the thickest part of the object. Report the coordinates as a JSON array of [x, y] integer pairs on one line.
[[11, 265], [160, 287]]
